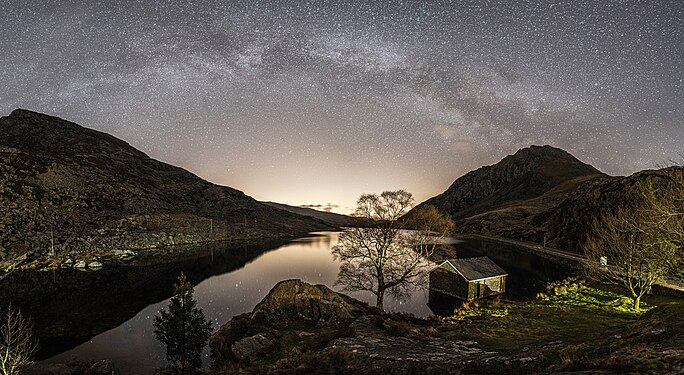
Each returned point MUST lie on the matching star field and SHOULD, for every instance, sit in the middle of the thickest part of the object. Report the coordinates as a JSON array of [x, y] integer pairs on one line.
[[316, 102]]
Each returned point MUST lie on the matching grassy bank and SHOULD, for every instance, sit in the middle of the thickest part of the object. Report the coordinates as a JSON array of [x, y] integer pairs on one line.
[[577, 326]]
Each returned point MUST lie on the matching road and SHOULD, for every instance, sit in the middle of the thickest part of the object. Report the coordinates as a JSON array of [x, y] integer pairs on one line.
[[677, 287]]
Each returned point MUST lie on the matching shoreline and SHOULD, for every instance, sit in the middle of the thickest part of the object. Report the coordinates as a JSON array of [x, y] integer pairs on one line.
[[666, 288], [155, 253]]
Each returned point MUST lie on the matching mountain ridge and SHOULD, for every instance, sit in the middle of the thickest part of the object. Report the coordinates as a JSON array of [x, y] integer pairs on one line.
[[502, 198], [71, 189], [329, 217], [568, 225]]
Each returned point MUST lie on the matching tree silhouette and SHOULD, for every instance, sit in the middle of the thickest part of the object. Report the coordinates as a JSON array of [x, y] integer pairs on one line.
[[388, 258], [183, 328]]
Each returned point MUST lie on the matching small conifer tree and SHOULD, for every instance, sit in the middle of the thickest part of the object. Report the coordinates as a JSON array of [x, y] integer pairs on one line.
[[183, 328]]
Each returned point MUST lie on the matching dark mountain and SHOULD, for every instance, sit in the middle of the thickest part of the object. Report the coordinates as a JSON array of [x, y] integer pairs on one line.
[[568, 225], [72, 189], [328, 217], [501, 199]]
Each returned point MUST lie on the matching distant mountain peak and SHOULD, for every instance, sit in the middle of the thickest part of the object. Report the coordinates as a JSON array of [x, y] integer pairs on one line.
[[519, 186], [40, 133], [20, 112], [543, 152], [40, 118]]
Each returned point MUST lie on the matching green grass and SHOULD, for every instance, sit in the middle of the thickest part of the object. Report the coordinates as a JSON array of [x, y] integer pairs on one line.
[[576, 292], [570, 311], [575, 325]]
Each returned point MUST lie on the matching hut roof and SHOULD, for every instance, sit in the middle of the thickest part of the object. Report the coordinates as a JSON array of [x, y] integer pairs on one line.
[[473, 269]]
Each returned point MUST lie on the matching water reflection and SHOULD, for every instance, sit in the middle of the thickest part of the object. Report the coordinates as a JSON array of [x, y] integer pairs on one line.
[[81, 308], [132, 345], [70, 306]]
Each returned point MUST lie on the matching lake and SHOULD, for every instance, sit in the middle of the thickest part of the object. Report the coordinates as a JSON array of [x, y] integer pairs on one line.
[[111, 316]]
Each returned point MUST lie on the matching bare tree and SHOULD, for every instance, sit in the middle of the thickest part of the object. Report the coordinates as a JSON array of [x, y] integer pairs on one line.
[[17, 346], [640, 246], [387, 258]]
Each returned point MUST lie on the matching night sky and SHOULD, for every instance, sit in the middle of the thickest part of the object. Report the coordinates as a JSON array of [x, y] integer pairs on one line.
[[316, 102]]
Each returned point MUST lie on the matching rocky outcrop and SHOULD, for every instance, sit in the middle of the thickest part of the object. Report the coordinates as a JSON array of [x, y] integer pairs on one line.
[[250, 347], [68, 189], [317, 304], [292, 308], [568, 225], [337, 334], [502, 199]]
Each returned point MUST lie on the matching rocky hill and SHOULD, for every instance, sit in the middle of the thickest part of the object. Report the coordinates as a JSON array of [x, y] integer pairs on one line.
[[568, 225], [501, 199], [66, 188]]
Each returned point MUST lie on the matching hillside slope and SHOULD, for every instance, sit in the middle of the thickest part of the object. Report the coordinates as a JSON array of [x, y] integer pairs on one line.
[[501, 199], [72, 189], [568, 225], [328, 217]]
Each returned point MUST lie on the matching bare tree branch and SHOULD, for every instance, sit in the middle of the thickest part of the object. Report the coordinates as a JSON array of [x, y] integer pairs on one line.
[[17, 346], [388, 258]]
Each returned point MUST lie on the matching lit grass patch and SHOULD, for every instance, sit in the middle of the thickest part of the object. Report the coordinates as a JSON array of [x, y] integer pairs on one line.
[[478, 309], [576, 292]]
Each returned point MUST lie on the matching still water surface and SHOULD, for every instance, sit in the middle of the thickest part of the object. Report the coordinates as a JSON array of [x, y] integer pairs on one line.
[[132, 345]]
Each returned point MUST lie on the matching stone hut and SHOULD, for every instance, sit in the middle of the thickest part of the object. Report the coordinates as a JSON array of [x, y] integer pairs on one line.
[[468, 278]]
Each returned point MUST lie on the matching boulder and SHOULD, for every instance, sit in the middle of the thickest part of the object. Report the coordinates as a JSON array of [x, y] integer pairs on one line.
[[291, 303], [318, 304], [124, 254], [251, 346], [81, 264]]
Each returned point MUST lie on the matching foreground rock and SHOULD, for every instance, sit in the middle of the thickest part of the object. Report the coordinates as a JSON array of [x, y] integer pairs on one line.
[[300, 328], [295, 300], [291, 309], [301, 325], [251, 347]]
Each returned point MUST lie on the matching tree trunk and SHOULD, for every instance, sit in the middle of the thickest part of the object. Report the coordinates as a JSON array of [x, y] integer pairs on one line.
[[637, 302], [381, 299]]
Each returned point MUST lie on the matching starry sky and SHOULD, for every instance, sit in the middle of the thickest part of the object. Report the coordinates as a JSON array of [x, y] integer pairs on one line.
[[316, 102]]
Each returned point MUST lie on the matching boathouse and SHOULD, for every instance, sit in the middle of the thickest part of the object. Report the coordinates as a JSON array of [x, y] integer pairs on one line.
[[468, 278]]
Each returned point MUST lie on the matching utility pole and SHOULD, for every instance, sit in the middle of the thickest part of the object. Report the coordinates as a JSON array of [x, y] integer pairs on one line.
[[211, 225]]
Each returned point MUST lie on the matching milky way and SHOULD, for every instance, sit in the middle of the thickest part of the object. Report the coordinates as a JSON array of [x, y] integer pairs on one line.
[[314, 102]]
